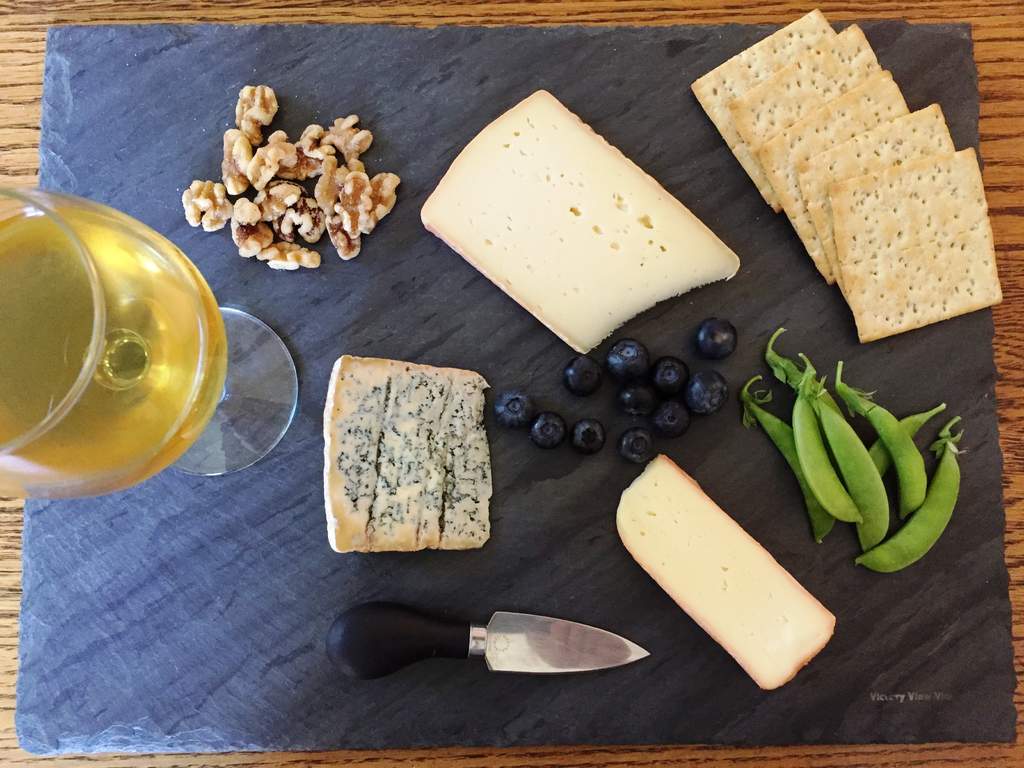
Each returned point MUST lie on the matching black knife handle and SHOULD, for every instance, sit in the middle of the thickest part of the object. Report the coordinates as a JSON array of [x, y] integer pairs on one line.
[[375, 639]]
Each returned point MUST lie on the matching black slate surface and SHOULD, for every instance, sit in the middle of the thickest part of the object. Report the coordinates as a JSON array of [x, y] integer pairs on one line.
[[189, 614]]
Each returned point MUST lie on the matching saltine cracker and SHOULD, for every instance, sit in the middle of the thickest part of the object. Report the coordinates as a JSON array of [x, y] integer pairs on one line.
[[875, 100], [746, 69], [924, 221], [814, 78], [891, 144]]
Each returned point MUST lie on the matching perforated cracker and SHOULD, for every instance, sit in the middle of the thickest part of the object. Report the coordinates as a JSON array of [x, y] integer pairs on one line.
[[924, 284], [910, 137], [813, 79], [881, 217], [875, 100], [746, 69], [932, 198]]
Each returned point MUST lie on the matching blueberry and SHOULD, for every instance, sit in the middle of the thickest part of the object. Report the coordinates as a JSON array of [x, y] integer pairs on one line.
[[548, 430], [628, 359], [513, 409], [670, 376], [582, 376], [638, 399], [716, 338], [671, 419], [706, 392], [636, 445], [588, 436]]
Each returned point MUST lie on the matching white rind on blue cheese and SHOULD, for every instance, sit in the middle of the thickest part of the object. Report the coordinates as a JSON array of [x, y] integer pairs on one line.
[[406, 459]]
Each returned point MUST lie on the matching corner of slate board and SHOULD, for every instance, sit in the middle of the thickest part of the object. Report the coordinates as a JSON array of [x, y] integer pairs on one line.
[[188, 614]]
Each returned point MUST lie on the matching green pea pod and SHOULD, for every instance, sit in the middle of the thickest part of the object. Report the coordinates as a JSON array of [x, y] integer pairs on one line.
[[781, 434], [790, 373], [911, 425], [919, 534], [860, 475], [814, 460], [913, 480]]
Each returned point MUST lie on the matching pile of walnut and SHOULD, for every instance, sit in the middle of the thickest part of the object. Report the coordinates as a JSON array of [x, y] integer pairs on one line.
[[346, 203]]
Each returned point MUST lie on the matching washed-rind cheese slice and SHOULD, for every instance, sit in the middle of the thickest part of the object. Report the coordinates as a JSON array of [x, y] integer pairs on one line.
[[727, 582], [406, 459], [568, 226]]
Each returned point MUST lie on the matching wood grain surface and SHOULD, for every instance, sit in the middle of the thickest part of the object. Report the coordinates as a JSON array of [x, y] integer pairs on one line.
[[998, 28]]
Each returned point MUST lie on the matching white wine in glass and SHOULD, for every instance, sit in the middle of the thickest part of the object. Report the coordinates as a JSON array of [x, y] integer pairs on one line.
[[114, 355]]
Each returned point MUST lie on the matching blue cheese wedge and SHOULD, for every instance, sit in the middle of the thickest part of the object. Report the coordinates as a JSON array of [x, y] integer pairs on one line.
[[406, 460], [568, 226]]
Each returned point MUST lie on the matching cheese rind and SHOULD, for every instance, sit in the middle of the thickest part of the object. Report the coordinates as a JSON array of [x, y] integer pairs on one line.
[[727, 582], [406, 459], [568, 226]]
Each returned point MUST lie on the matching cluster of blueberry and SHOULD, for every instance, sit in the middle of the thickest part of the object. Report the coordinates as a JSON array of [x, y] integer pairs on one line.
[[645, 390]]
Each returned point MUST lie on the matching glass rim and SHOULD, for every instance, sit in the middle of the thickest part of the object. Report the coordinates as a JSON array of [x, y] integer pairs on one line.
[[99, 318]]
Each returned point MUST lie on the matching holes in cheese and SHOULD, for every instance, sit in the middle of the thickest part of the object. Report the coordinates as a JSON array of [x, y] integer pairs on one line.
[[569, 185], [727, 582]]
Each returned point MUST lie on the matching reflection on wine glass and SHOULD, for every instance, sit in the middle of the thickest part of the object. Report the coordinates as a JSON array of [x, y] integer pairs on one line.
[[114, 356]]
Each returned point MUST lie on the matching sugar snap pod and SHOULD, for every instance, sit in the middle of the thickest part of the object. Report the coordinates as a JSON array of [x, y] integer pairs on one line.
[[919, 534], [909, 464], [814, 459], [781, 435], [860, 475], [788, 372]]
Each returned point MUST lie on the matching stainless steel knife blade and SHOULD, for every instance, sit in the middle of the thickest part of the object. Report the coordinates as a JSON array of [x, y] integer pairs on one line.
[[523, 642]]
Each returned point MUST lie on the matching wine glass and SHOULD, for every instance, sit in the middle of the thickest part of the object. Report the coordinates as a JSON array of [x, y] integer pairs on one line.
[[115, 361]]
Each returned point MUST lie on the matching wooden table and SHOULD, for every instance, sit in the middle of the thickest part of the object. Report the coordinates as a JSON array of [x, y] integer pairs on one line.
[[999, 51]]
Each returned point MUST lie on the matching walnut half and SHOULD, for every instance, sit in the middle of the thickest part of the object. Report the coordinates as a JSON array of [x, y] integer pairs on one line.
[[277, 154], [350, 141], [384, 194], [348, 247], [310, 152], [289, 256], [303, 218], [256, 107], [276, 198], [206, 203], [237, 155], [353, 204], [250, 234]]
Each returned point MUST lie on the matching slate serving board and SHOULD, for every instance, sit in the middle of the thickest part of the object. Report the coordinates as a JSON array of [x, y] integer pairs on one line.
[[189, 614]]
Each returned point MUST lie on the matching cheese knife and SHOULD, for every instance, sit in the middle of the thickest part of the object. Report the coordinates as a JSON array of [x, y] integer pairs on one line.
[[372, 640]]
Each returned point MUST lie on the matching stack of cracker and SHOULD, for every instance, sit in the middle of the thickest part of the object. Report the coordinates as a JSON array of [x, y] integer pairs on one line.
[[882, 201]]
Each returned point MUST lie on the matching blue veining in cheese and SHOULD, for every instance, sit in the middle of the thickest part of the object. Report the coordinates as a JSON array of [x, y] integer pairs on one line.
[[406, 464]]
